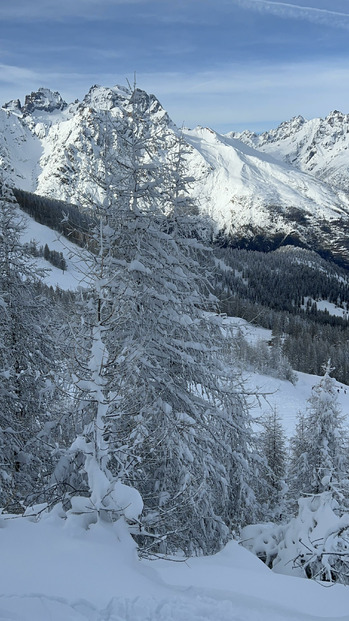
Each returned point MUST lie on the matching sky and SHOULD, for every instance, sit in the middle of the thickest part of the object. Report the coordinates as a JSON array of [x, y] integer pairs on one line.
[[226, 64]]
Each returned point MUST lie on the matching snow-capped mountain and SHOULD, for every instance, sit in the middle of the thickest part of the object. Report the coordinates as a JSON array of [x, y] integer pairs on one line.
[[318, 146], [251, 186], [250, 194]]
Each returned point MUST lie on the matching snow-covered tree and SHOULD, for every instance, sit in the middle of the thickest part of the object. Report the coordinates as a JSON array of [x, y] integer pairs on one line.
[[27, 355], [159, 409], [313, 544], [272, 448], [318, 449]]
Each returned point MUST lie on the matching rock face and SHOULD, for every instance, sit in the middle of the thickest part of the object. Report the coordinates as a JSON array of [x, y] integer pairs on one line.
[[43, 99], [288, 185], [14, 105]]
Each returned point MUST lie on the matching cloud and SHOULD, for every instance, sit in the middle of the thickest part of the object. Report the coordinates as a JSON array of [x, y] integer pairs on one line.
[[234, 96], [325, 16], [252, 95], [46, 10]]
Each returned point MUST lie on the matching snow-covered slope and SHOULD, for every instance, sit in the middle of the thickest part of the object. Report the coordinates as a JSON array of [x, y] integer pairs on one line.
[[247, 191], [50, 147], [318, 146], [275, 394], [53, 571], [76, 270]]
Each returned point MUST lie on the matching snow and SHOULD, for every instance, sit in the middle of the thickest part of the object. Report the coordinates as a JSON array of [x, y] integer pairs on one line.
[[312, 541], [51, 572], [325, 305], [238, 184], [77, 269], [276, 394], [20, 150], [318, 146]]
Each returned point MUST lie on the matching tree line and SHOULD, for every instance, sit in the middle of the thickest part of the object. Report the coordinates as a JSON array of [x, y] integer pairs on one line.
[[273, 290]]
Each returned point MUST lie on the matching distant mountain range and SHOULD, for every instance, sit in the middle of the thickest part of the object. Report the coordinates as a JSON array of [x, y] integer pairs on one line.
[[286, 186]]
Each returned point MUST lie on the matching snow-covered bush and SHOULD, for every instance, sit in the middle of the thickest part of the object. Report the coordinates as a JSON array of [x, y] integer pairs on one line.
[[314, 544]]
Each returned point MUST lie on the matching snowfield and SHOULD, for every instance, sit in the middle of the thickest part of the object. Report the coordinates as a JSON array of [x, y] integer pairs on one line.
[[51, 571], [277, 394], [77, 270]]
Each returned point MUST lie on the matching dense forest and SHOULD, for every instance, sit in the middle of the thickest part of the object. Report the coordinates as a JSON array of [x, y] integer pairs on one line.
[[282, 290]]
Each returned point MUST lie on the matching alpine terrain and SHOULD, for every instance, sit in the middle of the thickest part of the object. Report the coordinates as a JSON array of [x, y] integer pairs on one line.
[[174, 365], [287, 186]]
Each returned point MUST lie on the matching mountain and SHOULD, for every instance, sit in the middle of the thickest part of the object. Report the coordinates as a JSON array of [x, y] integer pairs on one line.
[[257, 190], [318, 146], [263, 203]]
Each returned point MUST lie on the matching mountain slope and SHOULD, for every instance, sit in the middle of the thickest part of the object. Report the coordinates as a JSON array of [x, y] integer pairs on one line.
[[318, 146], [249, 192], [253, 197]]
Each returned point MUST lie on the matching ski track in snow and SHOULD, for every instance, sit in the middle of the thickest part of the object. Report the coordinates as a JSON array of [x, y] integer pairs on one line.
[[197, 607]]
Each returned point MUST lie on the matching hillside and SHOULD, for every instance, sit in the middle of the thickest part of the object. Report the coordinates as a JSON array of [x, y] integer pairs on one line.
[[253, 193]]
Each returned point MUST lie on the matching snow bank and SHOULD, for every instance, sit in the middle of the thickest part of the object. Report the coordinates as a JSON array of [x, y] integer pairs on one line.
[[50, 572]]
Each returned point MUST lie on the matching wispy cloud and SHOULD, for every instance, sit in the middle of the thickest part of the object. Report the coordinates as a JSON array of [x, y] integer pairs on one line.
[[231, 97], [241, 96], [326, 16], [44, 10]]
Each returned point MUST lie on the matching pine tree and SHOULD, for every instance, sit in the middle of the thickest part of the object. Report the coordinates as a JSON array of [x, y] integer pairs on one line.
[[26, 367], [318, 459], [159, 411]]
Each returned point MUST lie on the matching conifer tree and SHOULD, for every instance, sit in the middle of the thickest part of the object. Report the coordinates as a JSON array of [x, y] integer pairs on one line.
[[159, 411], [27, 355], [318, 457], [272, 446]]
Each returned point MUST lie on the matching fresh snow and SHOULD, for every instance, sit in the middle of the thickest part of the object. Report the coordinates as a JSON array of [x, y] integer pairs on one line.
[[286, 398], [77, 270], [271, 393], [53, 572]]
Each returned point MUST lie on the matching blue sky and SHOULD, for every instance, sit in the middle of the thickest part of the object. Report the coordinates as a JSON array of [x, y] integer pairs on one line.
[[227, 64]]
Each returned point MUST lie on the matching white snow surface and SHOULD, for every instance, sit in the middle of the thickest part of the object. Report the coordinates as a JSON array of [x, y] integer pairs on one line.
[[237, 184], [52, 572], [271, 393], [318, 146], [77, 270]]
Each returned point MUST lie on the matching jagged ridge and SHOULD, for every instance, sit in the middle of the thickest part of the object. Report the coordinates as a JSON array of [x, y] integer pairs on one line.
[[250, 185]]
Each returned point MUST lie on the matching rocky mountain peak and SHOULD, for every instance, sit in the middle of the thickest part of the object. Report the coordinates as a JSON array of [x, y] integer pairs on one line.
[[105, 98], [43, 99], [13, 106], [284, 130]]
